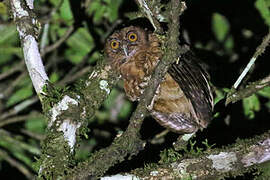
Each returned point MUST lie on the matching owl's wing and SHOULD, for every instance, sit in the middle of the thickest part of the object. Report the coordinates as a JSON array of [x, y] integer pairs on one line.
[[193, 80]]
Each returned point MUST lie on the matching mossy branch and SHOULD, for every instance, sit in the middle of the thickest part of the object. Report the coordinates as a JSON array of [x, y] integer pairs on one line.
[[129, 143], [241, 157]]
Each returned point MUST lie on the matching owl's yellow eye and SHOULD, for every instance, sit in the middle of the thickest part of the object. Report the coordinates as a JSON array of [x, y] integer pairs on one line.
[[132, 37], [114, 44]]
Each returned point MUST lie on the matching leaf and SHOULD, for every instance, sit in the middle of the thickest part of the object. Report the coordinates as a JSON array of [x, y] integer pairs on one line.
[[229, 43], [106, 8], [54, 77], [263, 7], [81, 43], [65, 11], [8, 34], [20, 95], [99, 14], [125, 110], [110, 101], [220, 26], [251, 105], [3, 9], [265, 92], [113, 7], [11, 51], [220, 94], [36, 124]]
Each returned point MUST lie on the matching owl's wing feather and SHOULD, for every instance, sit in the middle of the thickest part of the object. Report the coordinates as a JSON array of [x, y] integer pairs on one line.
[[193, 80]]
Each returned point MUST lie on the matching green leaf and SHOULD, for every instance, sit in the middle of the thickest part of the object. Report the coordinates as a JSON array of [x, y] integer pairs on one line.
[[8, 34], [21, 94], [113, 6], [220, 94], [55, 2], [251, 105], [229, 43], [36, 124], [263, 7], [220, 26], [3, 9], [65, 11], [99, 14], [81, 43], [104, 9], [125, 110], [54, 77], [110, 101], [11, 51], [265, 92]]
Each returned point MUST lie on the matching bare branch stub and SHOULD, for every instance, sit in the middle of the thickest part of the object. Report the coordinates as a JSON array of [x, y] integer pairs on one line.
[[248, 90]]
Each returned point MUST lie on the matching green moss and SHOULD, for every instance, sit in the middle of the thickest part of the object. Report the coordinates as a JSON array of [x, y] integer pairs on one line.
[[169, 156], [264, 171], [56, 158], [53, 95]]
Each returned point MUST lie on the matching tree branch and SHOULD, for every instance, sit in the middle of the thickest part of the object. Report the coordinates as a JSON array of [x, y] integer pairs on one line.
[[259, 51], [27, 26], [147, 10], [129, 143], [220, 163], [254, 87]]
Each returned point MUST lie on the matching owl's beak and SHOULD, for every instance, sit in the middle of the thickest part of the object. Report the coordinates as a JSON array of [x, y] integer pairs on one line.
[[125, 49]]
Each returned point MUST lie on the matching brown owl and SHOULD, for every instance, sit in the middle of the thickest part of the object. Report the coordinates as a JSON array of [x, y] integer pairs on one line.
[[183, 102]]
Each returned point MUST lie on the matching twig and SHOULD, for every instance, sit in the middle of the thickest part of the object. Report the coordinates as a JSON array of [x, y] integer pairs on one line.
[[59, 42], [8, 138], [18, 108], [44, 38], [14, 120], [33, 135], [14, 69], [16, 164], [14, 83], [73, 77], [145, 8], [260, 49], [248, 91]]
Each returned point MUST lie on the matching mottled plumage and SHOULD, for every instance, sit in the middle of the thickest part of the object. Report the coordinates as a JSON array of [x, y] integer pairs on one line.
[[183, 102]]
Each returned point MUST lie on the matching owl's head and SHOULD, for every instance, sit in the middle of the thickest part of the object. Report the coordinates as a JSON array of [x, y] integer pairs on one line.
[[124, 43]]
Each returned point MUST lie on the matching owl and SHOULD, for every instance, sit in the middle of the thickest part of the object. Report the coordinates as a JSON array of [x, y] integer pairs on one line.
[[183, 102]]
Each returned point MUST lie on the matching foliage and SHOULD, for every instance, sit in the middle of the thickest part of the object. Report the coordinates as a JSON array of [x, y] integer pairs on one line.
[[229, 37]]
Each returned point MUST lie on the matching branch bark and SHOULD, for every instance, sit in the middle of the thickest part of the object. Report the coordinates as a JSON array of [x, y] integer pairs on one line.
[[129, 143], [28, 27], [254, 87], [215, 164]]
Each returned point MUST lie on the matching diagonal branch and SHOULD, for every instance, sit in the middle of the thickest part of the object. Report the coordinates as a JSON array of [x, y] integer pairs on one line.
[[259, 51], [129, 143], [27, 26]]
